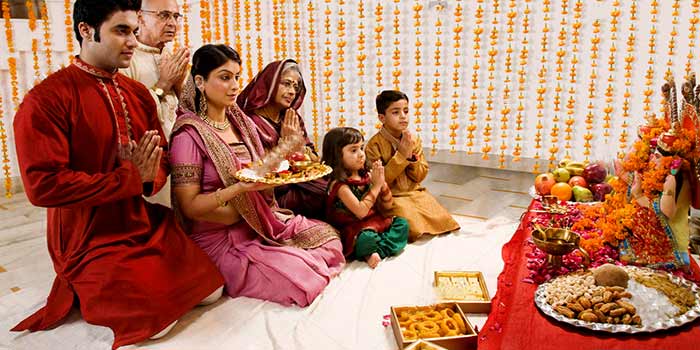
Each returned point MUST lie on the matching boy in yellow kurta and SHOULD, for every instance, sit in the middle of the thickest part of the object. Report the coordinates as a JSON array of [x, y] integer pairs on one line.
[[405, 167]]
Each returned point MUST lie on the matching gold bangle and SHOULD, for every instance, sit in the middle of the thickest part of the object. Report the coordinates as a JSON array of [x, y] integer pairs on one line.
[[217, 197], [670, 193]]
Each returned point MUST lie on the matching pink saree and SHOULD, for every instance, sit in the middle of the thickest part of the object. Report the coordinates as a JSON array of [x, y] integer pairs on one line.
[[269, 254], [306, 198]]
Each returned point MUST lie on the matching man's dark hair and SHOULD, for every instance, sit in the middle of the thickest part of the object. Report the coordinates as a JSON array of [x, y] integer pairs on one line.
[[387, 97], [95, 12]]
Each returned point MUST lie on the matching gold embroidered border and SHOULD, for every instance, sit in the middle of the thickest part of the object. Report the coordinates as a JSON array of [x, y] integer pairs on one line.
[[186, 174]]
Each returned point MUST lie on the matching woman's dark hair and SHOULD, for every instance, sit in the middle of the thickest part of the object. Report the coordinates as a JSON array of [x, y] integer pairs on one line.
[[206, 59], [386, 98], [95, 12], [333, 144]]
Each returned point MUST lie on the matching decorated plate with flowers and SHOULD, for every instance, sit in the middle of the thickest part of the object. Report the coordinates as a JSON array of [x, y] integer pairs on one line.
[[287, 173]]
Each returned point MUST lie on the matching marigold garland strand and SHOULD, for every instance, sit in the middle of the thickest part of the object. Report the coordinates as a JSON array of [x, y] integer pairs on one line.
[[47, 37], [258, 38], [238, 44], [378, 29], [224, 15], [571, 102], [69, 28], [507, 87], [248, 48], [560, 53], [629, 60], [5, 155], [436, 84], [492, 53], [297, 28], [610, 90], [396, 73], [283, 29], [361, 57], [455, 107], [474, 107], [522, 86], [340, 59], [542, 88], [311, 11], [327, 68], [418, 87], [15, 97], [652, 51], [217, 21], [186, 24]]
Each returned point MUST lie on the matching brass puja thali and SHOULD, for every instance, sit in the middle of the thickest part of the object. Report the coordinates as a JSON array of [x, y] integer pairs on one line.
[[287, 173], [620, 299]]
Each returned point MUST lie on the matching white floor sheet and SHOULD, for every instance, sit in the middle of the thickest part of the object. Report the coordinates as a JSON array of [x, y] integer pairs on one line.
[[347, 315]]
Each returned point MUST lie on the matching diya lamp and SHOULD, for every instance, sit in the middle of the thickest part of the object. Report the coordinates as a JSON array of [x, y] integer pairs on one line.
[[557, 242]]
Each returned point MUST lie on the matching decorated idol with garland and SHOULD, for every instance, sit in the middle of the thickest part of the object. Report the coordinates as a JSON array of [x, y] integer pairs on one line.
[[647, 216]]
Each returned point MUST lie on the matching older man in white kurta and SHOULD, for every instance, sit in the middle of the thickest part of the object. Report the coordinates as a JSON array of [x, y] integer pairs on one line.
[[159, 69]]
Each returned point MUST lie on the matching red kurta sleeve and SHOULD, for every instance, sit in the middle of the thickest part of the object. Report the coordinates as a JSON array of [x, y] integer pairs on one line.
[[42, 128]]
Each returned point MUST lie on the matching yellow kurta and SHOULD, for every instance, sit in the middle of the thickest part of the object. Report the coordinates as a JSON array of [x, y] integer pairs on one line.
[[411, 200]]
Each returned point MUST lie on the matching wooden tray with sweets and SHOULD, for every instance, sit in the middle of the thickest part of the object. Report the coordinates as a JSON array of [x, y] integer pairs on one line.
[[466, 288], [443, 324]]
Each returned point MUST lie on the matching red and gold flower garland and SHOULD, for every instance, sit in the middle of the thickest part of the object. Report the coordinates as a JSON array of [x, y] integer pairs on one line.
[[276, 27], [47, 37], [492, 53], [454, 108], [361, 57], [418, 88], [571, 102], [217, 22], [505, 111], [327, 70], [542, 88], [312, 66], [522, 87], [248, 54], [378, 29], [224, 15], [258, 38], [396, 73], [629, 59], [69, 29], [5, 154], [340, 59], [435, 105], [588, 136], [691, 36], [474, 108], [297, 28], [238, 44], [610, 92], [652, 50], [186, 24]]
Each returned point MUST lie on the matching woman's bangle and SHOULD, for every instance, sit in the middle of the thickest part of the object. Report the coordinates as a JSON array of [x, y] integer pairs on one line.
[[217, 197], [670, 192]]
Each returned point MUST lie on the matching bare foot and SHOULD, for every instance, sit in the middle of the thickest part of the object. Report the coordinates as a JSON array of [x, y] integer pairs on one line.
[[373, 260]]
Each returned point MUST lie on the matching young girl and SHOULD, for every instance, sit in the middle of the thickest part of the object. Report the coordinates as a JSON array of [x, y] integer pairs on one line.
[[354, 196]]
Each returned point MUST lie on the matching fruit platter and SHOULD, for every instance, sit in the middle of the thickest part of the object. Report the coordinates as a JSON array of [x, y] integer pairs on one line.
[[574, 182], [618, 299], [296, 168]]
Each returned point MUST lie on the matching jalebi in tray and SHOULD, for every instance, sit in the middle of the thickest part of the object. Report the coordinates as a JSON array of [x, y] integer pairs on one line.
[[652, 301], [285, 176]]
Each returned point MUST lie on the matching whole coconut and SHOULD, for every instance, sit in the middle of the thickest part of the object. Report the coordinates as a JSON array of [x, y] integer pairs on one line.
[[609, 275]]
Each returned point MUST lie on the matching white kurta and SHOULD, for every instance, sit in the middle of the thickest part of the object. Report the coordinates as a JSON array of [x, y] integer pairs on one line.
[[144, 68]]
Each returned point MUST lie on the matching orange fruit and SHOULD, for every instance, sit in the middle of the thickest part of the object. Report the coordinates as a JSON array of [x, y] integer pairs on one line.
[[562, 190]]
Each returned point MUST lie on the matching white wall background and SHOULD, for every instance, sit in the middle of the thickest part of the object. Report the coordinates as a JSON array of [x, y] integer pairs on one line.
[[334, 109]]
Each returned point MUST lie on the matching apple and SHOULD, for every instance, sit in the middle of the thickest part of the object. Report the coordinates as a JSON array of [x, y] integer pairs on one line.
[[600, 190], [544, 183], [578, 181], [297, 157], [595, 173], [561, 175]]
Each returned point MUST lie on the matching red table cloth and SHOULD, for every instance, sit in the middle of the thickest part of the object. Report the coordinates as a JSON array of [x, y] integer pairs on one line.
[[516, 323]]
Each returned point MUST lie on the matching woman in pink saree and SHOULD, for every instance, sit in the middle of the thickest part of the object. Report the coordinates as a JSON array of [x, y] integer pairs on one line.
[[262, 251], [272, 100]]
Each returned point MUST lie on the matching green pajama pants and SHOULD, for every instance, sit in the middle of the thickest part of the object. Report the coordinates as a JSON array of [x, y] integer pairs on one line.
[[386, 243]]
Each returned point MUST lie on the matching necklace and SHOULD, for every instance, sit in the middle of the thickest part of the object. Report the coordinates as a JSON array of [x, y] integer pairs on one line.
[[221, 126]]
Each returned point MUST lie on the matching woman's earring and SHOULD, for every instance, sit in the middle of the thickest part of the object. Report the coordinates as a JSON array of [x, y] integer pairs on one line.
[[203, 105]]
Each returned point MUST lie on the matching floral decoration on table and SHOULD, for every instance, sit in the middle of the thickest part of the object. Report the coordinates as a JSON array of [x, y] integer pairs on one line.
[[639, 218]]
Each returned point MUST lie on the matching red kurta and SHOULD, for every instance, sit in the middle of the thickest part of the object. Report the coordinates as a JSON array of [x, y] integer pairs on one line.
[[128, 263]]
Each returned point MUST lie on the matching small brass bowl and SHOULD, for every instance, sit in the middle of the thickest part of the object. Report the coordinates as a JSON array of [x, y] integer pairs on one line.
[[556, 241], [301, 165]]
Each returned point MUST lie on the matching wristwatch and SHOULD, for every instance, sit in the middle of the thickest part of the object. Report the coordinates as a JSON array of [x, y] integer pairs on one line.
[[159, 92]]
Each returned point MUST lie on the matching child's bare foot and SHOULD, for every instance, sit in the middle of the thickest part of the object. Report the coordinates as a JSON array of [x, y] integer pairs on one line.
[[373, 260]]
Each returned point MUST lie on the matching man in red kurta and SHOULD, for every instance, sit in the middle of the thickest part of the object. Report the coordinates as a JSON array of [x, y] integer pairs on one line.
[[89, 145]]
